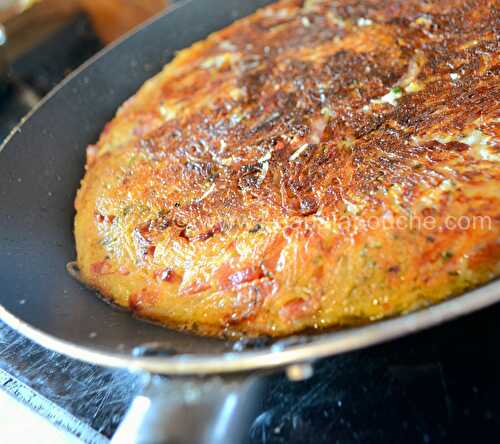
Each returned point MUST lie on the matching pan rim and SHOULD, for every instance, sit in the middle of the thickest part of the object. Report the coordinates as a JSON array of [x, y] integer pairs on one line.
[[321, 346]]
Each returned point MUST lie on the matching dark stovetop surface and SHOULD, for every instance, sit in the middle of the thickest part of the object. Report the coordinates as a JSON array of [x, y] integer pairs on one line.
[[442, 385]]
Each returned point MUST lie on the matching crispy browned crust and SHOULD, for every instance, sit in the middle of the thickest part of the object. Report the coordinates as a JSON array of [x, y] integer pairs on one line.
[[300, 169]]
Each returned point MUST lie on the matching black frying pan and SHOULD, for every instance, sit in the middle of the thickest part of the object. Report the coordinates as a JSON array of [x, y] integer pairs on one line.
[[41, 165]]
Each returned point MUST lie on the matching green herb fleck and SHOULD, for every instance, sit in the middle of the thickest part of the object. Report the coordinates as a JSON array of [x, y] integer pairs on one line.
[[256, 228], [447, 255]]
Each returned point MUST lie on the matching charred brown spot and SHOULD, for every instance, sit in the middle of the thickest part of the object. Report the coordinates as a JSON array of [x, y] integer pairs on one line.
[[255, 228], [143, 299], [183, 234], [102, 267], [166, 275], [457, 146], [187, 234], [101, 218], [249, 301]]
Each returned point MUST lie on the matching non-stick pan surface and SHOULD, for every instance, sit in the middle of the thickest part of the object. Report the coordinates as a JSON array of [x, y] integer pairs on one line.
[[40, 169]]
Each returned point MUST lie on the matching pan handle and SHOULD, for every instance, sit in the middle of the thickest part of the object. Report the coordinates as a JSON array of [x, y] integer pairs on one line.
[[192, 410]]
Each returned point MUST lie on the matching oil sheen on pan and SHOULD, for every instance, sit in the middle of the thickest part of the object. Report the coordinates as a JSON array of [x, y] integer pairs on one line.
[[317, 164]]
